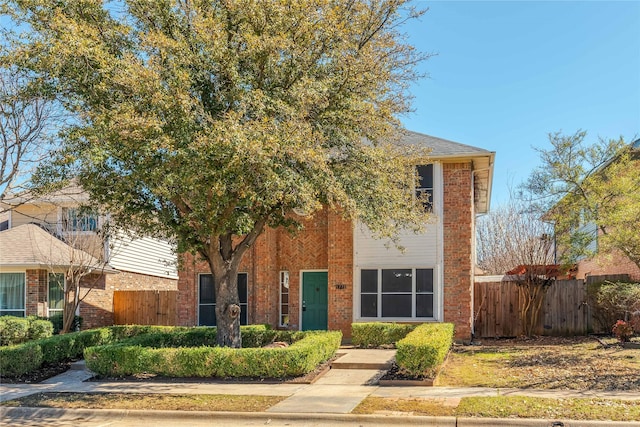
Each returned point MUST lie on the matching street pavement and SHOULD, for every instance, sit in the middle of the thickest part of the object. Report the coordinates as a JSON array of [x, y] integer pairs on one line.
[[326, 402]]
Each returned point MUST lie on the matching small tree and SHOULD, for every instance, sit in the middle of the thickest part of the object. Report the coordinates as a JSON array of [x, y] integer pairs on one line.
[[80, 259], [512, 237], [580, 184]]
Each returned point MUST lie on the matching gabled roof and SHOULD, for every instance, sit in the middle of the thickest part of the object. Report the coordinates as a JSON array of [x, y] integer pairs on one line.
[[442, 147], [70, 194], [445, 150], [30, 246]]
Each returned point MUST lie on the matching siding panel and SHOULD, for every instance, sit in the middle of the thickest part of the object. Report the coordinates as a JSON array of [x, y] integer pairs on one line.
[[143, 255], [420, 249]]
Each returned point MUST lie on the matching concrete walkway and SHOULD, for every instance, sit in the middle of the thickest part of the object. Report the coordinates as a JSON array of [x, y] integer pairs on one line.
[[338, 391]]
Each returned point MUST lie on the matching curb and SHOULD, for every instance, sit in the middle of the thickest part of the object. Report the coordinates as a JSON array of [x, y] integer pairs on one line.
[[26, 413]]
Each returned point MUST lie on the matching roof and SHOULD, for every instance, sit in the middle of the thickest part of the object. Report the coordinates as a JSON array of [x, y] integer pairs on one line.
[[442, 147], [30, 246], [72, 194], [445, 150]]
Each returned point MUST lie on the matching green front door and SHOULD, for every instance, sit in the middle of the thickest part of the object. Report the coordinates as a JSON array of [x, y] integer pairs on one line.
[[314, 300]]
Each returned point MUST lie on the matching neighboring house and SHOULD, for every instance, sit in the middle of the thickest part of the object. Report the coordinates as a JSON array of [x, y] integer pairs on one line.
[[333, 273], [613, 262], [43, 235]]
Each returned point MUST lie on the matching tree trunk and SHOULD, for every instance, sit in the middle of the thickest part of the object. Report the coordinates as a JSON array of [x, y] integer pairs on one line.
[[68, 312], [227, 307]]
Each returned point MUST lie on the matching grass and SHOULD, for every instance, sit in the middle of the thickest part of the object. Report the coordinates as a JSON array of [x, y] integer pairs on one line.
[[508, 407], [191, 402], [573, 365]]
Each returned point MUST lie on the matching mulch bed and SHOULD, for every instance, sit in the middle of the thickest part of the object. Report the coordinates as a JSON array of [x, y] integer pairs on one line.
[[44, 373]]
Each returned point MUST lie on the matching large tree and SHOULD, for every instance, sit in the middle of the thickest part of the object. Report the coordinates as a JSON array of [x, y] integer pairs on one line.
[[588, 188], [211, 120], [512, 238]]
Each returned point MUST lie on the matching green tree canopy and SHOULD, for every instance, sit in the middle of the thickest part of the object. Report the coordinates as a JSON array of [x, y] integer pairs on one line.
[[210, 120], [586, 189]]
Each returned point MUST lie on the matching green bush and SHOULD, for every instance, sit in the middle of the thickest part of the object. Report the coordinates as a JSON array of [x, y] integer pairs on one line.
[[13, 330], [612, 301], [423, 350], [20, 359], [129, 357], [39, 328], [377, 334]]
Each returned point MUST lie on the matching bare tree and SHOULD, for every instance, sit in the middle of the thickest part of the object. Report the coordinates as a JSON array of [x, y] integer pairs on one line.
[[77, 251], [512, 239], [26, 118]]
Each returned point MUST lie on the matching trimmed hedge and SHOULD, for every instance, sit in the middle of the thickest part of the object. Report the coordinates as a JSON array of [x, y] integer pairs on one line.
[[20, 359], [302, 356], [377, 334], [23, 358], [16, 330], [423, 350]]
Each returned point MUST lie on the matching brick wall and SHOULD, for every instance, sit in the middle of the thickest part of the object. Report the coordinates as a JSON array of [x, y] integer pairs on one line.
[[458, 258], [614, 263], [326, 243], [36, 283]]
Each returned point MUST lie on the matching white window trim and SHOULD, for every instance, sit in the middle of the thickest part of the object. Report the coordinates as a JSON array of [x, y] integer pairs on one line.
[[24, 273], [284, 277], [64, 286], [61, 231], [437, 294]]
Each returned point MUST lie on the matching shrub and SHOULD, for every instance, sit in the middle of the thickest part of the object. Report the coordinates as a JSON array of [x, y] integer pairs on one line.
[[39, 328], [20, 359], [376, 334], [424, 349], [129, 357], [623, 331], [13, 330], [610, 301]]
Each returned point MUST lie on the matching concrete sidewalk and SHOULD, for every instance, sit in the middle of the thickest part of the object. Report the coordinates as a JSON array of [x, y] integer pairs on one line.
[[338, 391]]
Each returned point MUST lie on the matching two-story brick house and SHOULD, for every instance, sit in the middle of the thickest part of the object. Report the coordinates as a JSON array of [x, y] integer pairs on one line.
[[334, 273], [43, 237]]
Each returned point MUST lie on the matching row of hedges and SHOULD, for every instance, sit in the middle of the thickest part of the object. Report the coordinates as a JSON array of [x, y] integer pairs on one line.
[[16, 330], [157, 354], [421, 352], [377, 334], [20, 359]]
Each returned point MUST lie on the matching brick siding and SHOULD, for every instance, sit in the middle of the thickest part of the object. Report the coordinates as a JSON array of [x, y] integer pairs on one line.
[[458, 257]]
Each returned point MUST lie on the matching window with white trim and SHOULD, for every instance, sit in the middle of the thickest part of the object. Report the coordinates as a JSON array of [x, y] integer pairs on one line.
[[424, 188], [399, 293], [12, 294], [74, 219], [284, 299], [207, 299], [56, 294]]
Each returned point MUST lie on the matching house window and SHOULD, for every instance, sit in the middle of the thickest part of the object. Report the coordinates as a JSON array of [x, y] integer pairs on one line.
[[12, 294], [79, 220], [207, 299], [424, 188], [284, 298], [56, 293], [401, 293]]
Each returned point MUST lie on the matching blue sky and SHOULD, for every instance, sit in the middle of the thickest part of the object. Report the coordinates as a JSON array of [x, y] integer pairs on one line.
[[509, 72]]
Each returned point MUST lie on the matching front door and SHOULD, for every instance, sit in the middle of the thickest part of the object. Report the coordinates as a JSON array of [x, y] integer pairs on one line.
[[314, 300]]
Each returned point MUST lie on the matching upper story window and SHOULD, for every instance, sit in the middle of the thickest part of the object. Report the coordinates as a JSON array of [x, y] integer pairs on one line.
[[424, 188], [74, 219]]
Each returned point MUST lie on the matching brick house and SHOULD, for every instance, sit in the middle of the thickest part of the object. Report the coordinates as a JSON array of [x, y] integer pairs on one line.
[[41, 235], [333, 273]]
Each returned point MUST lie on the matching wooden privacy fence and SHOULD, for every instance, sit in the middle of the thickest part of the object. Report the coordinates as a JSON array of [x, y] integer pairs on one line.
[[564, 310], [145, 307]]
